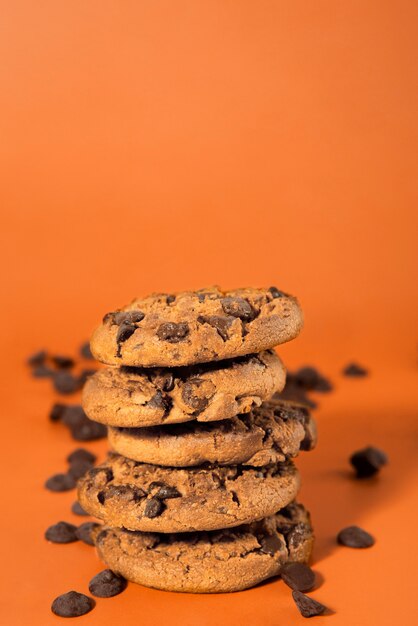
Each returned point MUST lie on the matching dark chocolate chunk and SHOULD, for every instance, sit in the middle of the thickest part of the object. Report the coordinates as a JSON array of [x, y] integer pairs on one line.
[[190, 394], [310, 379], [298, 576], [353, 369], [81, 454], [276, 293], [166, 492], [239, 307], [38, 358], [60, 482], [62, 532], [107, 584], [170, 298], [62, 362], [121, 317], [88, 431], [79, 468], [125, 331], [172, 332], [271, 544], [125, 493], [85, 351], [219, 323], [154, 508], [161, 401], [66, 383], [84, 532], [42, 371], [72, 604], [164, 381], [355, 537], [308, 607], [368, 461], [77, 509], [57, 411], [73, 414]]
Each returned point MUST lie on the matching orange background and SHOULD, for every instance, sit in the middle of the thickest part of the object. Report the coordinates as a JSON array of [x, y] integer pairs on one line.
[[150, 146]]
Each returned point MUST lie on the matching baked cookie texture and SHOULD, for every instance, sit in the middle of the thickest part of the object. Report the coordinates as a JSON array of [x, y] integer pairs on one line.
[[271, 433], [211, 562], [196, 327], [137, 397], [138, 496]]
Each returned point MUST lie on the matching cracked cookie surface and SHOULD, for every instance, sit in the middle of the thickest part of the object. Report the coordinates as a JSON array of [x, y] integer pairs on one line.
[[271, 433], [209, 562], [139, 496], [137, 397], [166, 330]]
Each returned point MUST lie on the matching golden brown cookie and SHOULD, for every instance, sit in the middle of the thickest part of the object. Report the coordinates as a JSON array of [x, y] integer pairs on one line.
[[271, 433], [210, 562], [166, 330], [129, 396], [137, 496]]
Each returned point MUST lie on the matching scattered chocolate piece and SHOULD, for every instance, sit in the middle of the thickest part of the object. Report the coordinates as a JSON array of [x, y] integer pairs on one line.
[[368, 461], [57, 411], [83, 532], [72, 604], [60, 482], [107, 584], [310, 379], [85, 351], [294, 393], [38, 358], [353, 369], [42, 371], [308, 607], [81, 454], [154, 508], [66, 383], [298, 576], [62, 532], [77, 469], [88, 431], [355, 537], [77, 509], [62, 362], [73, 415]]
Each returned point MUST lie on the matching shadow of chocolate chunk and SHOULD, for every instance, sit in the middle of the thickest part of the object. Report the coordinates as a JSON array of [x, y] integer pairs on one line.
[[239, 307], [271, 544], [220, 323], [62, 532], [72, 604], [154, 508], [172, 332]]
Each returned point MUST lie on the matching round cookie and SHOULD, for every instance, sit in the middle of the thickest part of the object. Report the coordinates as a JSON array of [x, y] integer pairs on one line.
[[214, 562], [137, 496], [128, 396], [166, 330], [271, 433]]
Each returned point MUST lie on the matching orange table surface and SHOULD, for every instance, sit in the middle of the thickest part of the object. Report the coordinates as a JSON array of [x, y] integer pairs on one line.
[[156, 146]]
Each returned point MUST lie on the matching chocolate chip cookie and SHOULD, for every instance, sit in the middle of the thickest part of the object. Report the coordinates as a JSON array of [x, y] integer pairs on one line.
[[138, 496], [210, 562], [165, 330], [129, 396], [271, 433]]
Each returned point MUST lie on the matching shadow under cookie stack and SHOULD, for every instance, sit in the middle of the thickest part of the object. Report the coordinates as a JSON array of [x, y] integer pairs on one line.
[[198, 493]]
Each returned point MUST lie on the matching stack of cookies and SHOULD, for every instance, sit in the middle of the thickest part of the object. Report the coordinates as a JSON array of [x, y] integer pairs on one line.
[[198, 493]]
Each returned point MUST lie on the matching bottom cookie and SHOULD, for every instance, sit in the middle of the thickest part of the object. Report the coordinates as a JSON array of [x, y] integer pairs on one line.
[[209, 562]]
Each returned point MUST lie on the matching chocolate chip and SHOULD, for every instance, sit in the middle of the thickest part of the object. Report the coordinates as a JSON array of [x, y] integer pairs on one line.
[[107, 584], [60, 482], [172, 332], [219, 323], [84, 532], [192, 395], [164, 382], [154, 508], [124, 493], [355, 537], [85, 351], [77, 509], [166, 492], [125, 331], [308, 607], [298, 576], [271, 544], [72, 604], [62, 532], [170, 298], [79, 468], [353, 369], [88, 431], [62, 362], [239, 307], [310, 379], [276, 293], [81, 454], [66, 383], [121, 317], [297, 535], [42, 371], [101, 497], [367, 462], [160, 401], [73, 414], [57, 411], [38, 358]]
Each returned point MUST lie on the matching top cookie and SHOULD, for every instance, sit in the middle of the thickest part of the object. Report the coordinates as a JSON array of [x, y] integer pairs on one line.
[[165, 330]]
